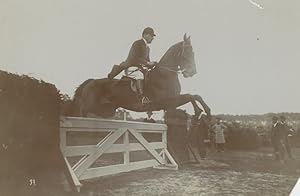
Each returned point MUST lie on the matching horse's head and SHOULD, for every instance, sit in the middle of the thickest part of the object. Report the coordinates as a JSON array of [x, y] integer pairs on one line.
[[180, 57], [187, 60]]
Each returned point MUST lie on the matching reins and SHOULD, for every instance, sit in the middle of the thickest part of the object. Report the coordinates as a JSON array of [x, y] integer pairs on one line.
[[168, 69], [159, 67], [180, 54]]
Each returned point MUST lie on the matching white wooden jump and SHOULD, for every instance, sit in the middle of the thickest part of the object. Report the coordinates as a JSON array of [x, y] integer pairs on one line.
[[115, 129]]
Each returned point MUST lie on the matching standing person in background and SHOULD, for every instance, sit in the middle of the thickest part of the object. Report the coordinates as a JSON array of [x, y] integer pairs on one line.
[[203, 135], [218, 129], [275, 138], [201, 127], [212, 140], [285, 132]]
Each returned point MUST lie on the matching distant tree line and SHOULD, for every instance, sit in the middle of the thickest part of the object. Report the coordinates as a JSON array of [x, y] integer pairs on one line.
[[262, 120]]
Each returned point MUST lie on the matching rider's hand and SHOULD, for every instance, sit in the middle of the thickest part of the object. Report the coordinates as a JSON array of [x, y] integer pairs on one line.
[[152, 63]]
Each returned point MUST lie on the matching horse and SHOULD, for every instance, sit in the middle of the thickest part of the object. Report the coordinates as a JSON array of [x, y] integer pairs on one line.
[[101, 97]]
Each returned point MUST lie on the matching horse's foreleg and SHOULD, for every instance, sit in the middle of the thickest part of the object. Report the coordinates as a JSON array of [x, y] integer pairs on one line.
[[175, 101], [204, 105], [197, 110]]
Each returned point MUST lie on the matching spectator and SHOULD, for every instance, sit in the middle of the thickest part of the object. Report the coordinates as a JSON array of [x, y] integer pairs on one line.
[[286, 133], [201, 127], [218, 129], [278, 137], [212, 139]]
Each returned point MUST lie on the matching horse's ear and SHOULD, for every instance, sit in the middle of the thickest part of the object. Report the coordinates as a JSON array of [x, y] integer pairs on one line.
[[184, 37]]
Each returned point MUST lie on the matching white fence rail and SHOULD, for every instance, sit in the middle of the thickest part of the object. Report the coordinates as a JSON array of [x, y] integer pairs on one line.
[[115, 130]]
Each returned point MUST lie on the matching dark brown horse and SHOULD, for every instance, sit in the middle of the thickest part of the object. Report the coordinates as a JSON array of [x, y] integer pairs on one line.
[[101, 97]]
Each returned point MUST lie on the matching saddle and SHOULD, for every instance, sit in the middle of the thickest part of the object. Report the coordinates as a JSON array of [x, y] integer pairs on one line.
[[133, 83], [134, 88]]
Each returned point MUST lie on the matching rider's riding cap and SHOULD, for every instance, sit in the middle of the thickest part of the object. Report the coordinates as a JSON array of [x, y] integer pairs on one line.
[[149, 30]]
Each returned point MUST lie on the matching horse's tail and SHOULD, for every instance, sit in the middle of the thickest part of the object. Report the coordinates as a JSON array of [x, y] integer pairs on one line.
[[77, 97]]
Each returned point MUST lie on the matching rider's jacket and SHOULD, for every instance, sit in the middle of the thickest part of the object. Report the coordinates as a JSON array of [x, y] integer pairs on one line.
[[138, 54]]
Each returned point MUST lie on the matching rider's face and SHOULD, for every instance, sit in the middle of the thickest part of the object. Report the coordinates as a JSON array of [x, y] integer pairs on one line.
[[148, 38]]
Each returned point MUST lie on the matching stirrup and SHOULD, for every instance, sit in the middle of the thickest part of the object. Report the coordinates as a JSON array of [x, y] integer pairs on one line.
[[145, 100]]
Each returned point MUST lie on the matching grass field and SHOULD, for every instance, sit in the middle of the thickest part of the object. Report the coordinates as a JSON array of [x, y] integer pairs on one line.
[[227, 173]]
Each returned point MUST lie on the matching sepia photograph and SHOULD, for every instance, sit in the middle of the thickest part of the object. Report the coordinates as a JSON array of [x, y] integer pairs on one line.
[[149, 98]]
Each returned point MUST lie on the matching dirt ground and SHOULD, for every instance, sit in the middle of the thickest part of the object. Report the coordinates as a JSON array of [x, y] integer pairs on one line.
[[223, 173]]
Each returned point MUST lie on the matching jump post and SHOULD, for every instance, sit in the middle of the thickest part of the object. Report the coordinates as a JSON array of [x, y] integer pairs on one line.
[[115, 130]]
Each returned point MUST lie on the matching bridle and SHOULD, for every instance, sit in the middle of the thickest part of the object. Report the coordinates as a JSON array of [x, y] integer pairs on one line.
[[181, 54], [181, 57]]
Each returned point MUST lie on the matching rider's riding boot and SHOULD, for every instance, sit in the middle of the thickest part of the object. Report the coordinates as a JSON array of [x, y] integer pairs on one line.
[[144, 99], [139, 88], [114, 71]]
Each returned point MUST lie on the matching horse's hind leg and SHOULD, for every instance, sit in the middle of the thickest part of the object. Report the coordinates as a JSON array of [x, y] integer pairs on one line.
[[197, 110]]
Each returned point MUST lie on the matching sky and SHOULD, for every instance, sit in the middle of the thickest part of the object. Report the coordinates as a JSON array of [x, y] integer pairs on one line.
[[247, 57]]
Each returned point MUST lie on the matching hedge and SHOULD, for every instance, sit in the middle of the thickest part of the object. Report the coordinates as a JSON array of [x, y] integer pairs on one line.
[[31, 162]]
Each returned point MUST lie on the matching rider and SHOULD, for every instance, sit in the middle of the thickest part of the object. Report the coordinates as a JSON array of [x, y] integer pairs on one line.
[[138, 56]]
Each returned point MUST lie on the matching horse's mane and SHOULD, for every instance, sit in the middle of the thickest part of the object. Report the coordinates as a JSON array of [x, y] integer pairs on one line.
[[170, 51]]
